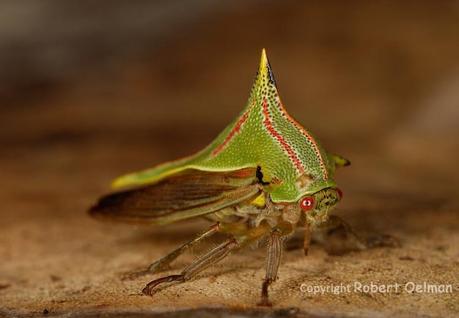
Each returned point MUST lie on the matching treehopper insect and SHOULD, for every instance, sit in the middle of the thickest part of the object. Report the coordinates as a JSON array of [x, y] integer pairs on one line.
[[263, 177]]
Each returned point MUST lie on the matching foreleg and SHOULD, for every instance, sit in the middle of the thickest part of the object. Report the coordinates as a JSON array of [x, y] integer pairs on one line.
[[338, 237], [272, 265]]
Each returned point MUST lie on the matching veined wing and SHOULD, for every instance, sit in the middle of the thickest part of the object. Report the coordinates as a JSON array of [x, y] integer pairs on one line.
[[184, 195]]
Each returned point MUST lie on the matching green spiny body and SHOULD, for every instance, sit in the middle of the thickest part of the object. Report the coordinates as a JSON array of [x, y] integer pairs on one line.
[[262, 177], [264, 135]]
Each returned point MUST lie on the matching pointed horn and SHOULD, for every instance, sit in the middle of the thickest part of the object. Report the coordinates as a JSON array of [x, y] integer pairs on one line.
[[264, 63], [265, 70]]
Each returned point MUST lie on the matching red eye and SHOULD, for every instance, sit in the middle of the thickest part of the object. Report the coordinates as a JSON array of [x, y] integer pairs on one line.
[[307, 203], [340, 193]]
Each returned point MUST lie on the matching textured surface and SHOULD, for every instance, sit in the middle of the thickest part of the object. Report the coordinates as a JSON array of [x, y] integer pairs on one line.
[[377, 83]]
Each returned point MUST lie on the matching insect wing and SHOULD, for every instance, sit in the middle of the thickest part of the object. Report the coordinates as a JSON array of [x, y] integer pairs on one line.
[[185, 195]]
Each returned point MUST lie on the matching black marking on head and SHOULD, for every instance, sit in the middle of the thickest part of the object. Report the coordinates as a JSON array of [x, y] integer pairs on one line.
[[259, 175]]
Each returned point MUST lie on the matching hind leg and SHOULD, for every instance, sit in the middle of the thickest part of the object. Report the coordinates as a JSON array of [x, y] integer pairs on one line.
[[212, 257], [164, 262]]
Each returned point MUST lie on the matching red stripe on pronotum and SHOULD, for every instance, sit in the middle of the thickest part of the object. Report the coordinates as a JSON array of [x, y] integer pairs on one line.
[[308, 137], [232, 133], [273, 132]]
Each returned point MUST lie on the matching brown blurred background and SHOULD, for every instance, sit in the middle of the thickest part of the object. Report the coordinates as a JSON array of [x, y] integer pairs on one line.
[[90, 90]]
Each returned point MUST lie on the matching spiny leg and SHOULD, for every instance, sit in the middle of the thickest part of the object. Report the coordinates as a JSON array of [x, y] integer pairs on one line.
[[272, 265], [164, 262], [213, 256]]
